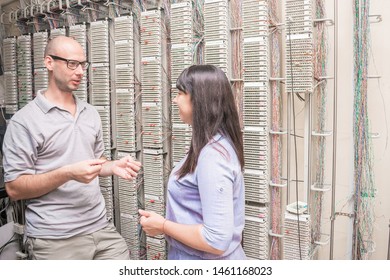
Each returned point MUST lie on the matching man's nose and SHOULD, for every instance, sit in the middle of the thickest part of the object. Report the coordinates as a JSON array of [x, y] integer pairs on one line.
[[79, 70]]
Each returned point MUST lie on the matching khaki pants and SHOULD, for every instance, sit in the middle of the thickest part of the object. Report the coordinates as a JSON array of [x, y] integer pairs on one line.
[[104, 244]]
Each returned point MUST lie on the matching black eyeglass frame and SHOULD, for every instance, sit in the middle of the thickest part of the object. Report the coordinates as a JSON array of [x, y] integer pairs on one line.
[[84, 64]]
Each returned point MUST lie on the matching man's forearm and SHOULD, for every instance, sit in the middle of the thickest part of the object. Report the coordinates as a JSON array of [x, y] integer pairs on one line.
[[30, 186]]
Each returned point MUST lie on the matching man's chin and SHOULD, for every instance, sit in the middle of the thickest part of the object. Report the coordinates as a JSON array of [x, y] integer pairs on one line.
[[73, 88]]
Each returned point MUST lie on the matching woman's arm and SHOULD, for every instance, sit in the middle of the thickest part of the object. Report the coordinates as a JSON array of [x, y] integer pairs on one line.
[[190, 235]]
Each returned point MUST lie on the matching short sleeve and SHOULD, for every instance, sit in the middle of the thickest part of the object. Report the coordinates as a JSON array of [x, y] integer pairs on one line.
[[99, 144], [19, 152]]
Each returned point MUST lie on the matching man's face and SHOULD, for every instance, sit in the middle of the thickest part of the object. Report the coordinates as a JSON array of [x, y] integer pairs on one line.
[[66, 77]]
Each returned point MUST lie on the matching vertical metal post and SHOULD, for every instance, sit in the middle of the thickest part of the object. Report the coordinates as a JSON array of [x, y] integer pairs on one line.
[[335, 66], [288, 156], [114, 131]]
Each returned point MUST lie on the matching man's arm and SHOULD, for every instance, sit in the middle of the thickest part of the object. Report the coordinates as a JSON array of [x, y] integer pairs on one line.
[[126, 168], [30, 186]]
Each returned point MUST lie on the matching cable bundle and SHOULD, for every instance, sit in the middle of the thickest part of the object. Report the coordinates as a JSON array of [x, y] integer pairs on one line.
[[363, 169]]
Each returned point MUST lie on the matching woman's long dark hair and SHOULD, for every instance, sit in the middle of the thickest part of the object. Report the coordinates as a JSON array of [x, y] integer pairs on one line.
[[213, 111]]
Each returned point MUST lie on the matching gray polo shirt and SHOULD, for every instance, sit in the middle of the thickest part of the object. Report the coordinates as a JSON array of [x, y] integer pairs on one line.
[[42, 137]]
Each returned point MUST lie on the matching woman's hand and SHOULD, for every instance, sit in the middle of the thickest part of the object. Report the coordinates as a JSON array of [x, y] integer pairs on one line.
[[151, 222]]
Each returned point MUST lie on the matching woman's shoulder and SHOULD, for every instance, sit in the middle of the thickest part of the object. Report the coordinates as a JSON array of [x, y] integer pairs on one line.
[[219, 147], [219, 157]]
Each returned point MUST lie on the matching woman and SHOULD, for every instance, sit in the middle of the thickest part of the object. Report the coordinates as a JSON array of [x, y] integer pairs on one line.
[[205, 197]]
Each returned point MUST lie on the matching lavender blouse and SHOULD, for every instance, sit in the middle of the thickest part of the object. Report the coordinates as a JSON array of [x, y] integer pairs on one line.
[[213, 196]]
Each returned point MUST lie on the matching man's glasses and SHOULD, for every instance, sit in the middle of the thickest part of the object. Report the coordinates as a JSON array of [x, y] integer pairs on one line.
[[72, 64]]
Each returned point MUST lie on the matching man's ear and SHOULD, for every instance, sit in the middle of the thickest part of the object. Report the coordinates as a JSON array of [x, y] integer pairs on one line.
[[49, 62]]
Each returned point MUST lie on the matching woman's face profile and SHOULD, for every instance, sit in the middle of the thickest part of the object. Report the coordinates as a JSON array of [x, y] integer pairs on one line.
[[183, 101]]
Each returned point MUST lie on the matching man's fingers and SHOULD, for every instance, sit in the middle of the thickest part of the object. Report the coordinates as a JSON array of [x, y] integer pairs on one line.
[[134, 164], [95, 168], [131, 172], [96, 161]]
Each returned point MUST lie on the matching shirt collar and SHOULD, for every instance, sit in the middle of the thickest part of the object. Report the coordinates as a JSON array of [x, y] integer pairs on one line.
[[45, 105], [217, 137]]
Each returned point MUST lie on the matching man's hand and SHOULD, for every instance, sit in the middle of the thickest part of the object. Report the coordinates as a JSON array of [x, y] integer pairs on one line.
[[85, 171], [126, 168]]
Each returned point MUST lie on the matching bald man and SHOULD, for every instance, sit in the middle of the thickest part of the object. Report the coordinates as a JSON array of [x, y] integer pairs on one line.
[[53, 151]]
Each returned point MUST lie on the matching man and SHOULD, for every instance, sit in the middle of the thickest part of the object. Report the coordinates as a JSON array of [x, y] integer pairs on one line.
[[52, 159]]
